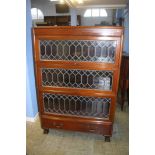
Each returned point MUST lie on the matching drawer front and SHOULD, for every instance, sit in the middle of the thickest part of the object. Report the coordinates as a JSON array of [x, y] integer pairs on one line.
[[85, 79], [80, 106], [77, 126], [78, 50]]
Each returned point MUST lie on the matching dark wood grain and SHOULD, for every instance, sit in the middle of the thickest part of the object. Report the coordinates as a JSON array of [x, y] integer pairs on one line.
[[124, 79]]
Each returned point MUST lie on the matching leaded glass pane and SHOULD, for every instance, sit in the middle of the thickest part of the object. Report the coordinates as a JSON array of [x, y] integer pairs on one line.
[[78, 50], [76, 105], [88, 79]]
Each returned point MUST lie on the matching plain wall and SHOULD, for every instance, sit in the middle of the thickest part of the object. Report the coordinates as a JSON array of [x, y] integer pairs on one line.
[[31, 101], [126, 30], [124, 13]]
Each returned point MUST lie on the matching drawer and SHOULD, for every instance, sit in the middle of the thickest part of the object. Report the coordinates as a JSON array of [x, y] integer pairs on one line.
[[89, 127], [77, 126]]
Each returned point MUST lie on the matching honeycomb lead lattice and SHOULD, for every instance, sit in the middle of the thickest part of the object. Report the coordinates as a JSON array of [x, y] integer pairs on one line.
[[78, 50], [89, 79], [76, 105]]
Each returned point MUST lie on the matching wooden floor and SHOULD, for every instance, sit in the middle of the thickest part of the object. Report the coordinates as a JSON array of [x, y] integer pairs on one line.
[[59, 142]]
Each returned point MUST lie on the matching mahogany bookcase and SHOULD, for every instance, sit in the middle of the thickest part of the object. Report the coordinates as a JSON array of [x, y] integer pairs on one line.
[[77, 73]]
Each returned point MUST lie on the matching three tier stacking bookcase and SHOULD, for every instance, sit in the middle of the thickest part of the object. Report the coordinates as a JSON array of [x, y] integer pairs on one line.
[[77, 73]]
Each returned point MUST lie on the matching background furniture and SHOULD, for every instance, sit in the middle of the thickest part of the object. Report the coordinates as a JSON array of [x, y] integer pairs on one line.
[[59, 20], [124, 79], [77, 74], [103, 23]]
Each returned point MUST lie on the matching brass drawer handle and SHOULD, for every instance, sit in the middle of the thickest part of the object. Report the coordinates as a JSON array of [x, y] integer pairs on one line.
[[92, 130], [57, 125]]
